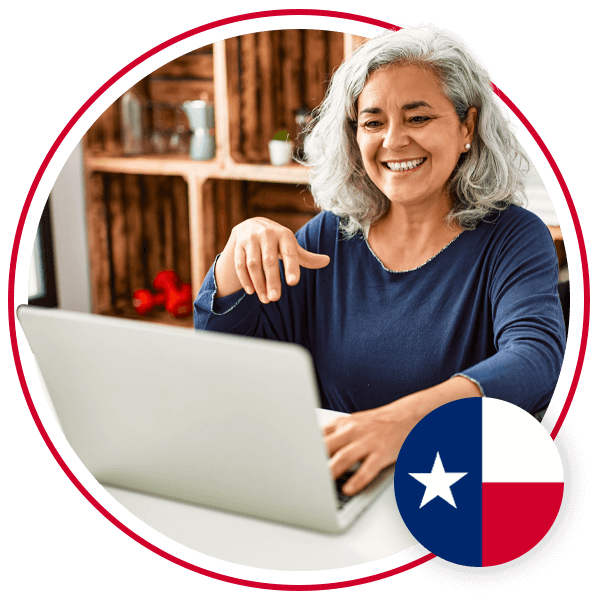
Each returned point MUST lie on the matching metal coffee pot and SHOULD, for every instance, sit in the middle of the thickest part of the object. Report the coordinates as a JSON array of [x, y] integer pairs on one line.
[[201, 116]]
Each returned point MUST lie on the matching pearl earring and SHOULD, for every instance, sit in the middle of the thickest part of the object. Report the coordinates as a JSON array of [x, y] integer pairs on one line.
[[468, 146]]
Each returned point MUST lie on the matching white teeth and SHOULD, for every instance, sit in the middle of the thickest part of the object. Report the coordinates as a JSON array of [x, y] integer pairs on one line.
[[405, 166]]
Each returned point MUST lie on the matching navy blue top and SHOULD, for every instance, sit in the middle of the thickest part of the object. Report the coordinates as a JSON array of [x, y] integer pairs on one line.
[[485, 307]]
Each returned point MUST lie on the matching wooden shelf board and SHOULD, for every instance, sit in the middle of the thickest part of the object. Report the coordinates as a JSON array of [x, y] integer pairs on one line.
[[186, 167], [148, 164], [293, 173]]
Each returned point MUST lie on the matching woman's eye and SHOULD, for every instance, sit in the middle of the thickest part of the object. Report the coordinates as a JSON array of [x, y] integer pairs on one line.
[[372, 124], [419, 120]]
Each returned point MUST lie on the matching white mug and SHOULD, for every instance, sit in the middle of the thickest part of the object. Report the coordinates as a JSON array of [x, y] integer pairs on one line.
[[280, 152]]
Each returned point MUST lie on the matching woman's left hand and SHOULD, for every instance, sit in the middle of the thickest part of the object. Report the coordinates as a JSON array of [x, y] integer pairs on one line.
[[371, 436], [375, 436]]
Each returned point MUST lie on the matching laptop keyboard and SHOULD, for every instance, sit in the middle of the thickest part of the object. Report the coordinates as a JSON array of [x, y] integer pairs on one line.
[[339, 484]]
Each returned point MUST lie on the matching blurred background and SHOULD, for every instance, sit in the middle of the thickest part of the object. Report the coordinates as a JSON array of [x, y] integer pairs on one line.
[[196, 147]]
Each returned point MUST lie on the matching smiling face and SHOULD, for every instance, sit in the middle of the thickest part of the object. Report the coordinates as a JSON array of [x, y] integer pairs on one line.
[[409, 135]]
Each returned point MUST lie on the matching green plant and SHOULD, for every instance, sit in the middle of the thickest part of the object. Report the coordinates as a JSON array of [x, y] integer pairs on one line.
[[281, 135]]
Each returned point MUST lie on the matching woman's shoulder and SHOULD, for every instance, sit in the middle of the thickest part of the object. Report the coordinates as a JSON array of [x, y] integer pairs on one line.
[[321, 229], [324, 220], [514, 220], [515, 236]]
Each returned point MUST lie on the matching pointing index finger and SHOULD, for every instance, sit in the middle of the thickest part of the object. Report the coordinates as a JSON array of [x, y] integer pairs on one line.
[[311, 260]]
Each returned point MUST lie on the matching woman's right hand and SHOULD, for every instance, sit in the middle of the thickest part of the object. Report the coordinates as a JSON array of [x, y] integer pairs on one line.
[[250, 259]]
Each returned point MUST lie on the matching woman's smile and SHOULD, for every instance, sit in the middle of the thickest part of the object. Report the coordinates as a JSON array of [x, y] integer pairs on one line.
[[404, 166]]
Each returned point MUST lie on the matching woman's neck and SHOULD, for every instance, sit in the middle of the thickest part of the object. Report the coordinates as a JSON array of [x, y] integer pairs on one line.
[[406, 237]]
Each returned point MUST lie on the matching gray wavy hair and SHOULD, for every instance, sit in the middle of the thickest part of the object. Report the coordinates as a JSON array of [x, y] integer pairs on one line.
[[487, 178]]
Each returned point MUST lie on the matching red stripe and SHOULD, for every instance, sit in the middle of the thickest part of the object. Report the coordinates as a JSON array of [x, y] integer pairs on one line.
[[516, 516]]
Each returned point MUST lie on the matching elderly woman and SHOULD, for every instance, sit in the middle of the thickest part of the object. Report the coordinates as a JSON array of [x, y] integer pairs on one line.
[[422, 280]]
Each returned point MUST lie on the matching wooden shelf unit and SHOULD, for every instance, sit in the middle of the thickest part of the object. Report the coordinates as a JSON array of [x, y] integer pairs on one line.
[[146, 213]]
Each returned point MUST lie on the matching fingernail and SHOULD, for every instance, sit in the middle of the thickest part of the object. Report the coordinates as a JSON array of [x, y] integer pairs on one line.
[[272, 295], [292, 279]]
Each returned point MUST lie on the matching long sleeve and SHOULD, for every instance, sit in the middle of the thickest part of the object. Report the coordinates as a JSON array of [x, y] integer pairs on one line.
[[528, 324], [221, 314]]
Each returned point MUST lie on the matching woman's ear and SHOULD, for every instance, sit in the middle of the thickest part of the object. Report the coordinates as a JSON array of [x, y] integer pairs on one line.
[[469, 125]]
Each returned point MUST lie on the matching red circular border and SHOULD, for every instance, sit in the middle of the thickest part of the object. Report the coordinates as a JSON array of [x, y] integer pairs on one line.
[[13, 265]]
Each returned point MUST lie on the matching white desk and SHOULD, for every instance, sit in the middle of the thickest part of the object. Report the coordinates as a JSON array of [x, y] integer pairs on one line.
[[377, 533]]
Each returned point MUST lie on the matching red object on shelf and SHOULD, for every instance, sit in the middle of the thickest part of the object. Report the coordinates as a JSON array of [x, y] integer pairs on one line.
[[174, 295]]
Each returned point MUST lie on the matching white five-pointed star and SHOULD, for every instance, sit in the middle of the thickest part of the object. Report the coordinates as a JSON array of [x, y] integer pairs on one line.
[[437, 483]]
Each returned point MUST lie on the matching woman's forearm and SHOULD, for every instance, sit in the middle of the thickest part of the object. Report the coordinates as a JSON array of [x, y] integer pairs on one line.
[[416, 406], [225, 276]]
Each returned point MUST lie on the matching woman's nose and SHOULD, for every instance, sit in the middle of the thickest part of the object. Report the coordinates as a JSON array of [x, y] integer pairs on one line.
[[396, 136]]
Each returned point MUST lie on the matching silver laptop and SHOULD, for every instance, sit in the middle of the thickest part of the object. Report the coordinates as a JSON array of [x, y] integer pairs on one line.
[[214, 419]]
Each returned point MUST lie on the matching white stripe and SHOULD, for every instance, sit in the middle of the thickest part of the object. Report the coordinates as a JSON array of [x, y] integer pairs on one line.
[[516, 447]]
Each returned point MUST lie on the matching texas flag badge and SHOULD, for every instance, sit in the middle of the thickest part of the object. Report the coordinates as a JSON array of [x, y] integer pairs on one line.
[[478, 482]]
